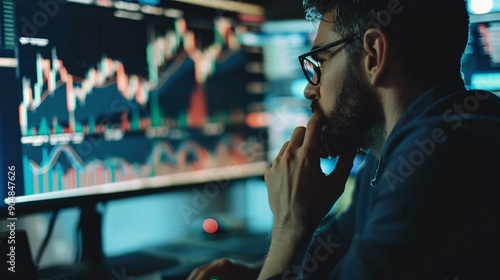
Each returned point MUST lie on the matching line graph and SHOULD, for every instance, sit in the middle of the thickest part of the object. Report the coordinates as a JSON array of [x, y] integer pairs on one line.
[[165, 55], [53, 174]]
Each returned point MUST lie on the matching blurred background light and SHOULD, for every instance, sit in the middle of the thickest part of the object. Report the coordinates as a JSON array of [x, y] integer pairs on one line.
[[483, 6]]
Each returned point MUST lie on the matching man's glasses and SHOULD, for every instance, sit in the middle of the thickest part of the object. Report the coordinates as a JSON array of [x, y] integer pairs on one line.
[[311, 67]]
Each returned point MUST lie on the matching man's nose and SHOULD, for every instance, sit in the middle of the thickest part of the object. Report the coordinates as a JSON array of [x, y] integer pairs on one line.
[[311, 92]]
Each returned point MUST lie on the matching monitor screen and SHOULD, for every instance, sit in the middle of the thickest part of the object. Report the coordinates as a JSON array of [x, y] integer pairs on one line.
[[114, 97], [481, 61]]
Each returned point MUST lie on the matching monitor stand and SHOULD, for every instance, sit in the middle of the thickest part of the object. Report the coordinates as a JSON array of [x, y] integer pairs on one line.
[[91, 233], [94, 265]]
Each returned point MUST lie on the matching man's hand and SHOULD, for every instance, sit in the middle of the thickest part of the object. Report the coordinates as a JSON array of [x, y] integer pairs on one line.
[[300, 194], [226, 269]]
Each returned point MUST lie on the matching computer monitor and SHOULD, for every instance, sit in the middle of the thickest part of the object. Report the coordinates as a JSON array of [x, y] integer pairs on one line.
[[110, 99], [481, 61]]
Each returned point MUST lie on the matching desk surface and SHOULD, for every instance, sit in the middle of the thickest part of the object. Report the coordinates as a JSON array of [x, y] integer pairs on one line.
[[170, 261], [250, 248]]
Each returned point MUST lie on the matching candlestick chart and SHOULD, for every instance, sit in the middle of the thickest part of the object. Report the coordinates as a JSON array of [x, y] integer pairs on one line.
[[109, 98]]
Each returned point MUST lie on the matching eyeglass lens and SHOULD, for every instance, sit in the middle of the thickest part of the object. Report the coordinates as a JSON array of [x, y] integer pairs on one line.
[[310, 72]]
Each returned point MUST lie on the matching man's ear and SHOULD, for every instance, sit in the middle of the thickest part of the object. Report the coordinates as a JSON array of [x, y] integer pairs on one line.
[[376, 48]]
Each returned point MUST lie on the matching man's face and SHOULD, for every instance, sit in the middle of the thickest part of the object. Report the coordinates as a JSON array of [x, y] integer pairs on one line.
[[352, 114]]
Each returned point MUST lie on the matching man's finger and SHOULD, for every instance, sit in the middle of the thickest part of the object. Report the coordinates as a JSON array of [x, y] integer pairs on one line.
[[312, 137], [343, 167], [297, 137], [282, 150], [195, 274]]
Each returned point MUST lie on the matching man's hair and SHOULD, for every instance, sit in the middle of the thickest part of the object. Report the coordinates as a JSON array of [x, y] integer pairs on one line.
[[429, 36]]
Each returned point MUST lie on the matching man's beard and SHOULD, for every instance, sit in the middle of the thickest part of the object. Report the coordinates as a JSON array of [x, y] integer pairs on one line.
[[355, 121]]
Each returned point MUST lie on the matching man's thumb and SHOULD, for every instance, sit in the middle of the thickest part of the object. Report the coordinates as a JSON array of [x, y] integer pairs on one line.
[[342, 170]]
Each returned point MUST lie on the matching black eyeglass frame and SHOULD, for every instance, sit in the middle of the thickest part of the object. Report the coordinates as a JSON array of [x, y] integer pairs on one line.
[[316, 69]]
